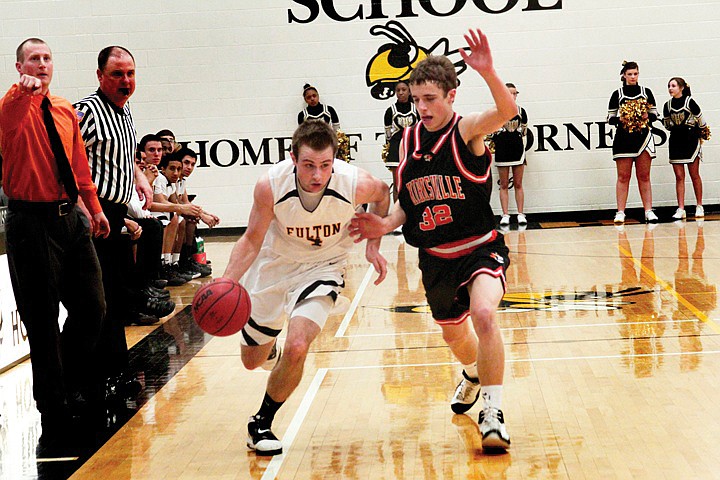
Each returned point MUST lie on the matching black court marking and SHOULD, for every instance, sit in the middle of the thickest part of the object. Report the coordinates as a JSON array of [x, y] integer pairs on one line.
[[151, 358]]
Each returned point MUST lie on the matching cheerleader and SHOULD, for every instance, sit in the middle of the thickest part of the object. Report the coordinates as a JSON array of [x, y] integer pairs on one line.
[[633, 140], [683, 118], [510, 153], [398, 116], [316, 110]]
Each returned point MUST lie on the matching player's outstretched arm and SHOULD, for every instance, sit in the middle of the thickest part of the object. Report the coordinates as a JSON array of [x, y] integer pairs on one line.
[[369, 225], [374, 191], [480, 59], [247, 247]]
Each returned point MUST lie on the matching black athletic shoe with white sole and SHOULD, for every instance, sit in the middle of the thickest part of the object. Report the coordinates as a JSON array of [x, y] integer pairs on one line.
[[261, 439]]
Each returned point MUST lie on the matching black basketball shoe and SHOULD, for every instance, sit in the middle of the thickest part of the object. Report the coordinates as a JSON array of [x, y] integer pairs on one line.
[[261, 439]]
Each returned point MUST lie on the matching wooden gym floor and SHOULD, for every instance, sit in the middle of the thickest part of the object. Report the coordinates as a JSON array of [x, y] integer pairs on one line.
[[613, 371]]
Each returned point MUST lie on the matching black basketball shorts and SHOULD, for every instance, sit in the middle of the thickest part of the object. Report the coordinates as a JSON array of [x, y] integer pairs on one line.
[[446, 280]]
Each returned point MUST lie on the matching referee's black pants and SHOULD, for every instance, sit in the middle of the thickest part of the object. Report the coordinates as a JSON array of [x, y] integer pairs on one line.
[[51, 259]]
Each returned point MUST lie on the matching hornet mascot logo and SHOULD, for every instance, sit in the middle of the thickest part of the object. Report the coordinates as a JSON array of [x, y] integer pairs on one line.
[[394, 61]]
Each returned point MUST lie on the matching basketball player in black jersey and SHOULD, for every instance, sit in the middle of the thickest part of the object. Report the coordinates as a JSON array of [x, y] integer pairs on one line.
[[444, 208]]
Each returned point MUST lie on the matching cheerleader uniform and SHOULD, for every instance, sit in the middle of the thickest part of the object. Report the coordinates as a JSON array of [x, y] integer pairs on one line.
[[626, 144], [397, 117], [510, 141], [322, 112], [682, 117]]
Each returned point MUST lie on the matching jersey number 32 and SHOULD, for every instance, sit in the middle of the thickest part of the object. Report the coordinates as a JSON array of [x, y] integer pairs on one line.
[[435, 216]]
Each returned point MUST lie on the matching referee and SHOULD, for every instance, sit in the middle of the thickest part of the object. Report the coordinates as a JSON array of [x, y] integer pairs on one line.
[[108, 131]]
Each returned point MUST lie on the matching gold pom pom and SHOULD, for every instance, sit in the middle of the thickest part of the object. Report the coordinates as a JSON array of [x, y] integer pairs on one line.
[[343, 146], [704, 133], [633, 115], [490, 143], [385, 152]]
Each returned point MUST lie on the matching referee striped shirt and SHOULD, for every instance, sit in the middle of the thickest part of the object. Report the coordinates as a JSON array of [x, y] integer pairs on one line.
[[110, 141]]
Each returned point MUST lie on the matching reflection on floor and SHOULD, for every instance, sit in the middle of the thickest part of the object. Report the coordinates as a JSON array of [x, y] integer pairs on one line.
[[156, 359], [612, 348]]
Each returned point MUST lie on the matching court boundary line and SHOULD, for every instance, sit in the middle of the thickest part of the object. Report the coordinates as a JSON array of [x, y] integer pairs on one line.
[[298, 419]]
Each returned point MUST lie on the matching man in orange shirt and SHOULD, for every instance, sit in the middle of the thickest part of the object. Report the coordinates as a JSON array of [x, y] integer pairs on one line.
[[53, 208]]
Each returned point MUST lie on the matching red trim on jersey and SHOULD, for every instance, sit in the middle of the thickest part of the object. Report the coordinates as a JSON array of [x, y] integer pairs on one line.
[[460, 248], [454, 321], [403, 161], [497, 273], [438, 145], [465, 172]]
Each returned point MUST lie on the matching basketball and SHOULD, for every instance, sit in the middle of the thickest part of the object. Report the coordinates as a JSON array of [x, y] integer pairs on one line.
[[221, 307]]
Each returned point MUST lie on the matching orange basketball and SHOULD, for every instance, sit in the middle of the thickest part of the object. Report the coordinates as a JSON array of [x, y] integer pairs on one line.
[[221, 307]]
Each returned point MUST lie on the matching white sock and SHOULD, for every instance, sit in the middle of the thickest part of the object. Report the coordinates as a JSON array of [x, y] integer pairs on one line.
[[471, 370], [175, 258], [492, 396], [166, 258]]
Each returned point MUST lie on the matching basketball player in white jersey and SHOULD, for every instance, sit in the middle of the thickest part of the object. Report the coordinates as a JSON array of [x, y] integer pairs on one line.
[[292, 259]]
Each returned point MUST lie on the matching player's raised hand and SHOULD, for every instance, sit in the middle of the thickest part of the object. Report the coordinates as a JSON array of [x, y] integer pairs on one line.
[[480, 57]]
